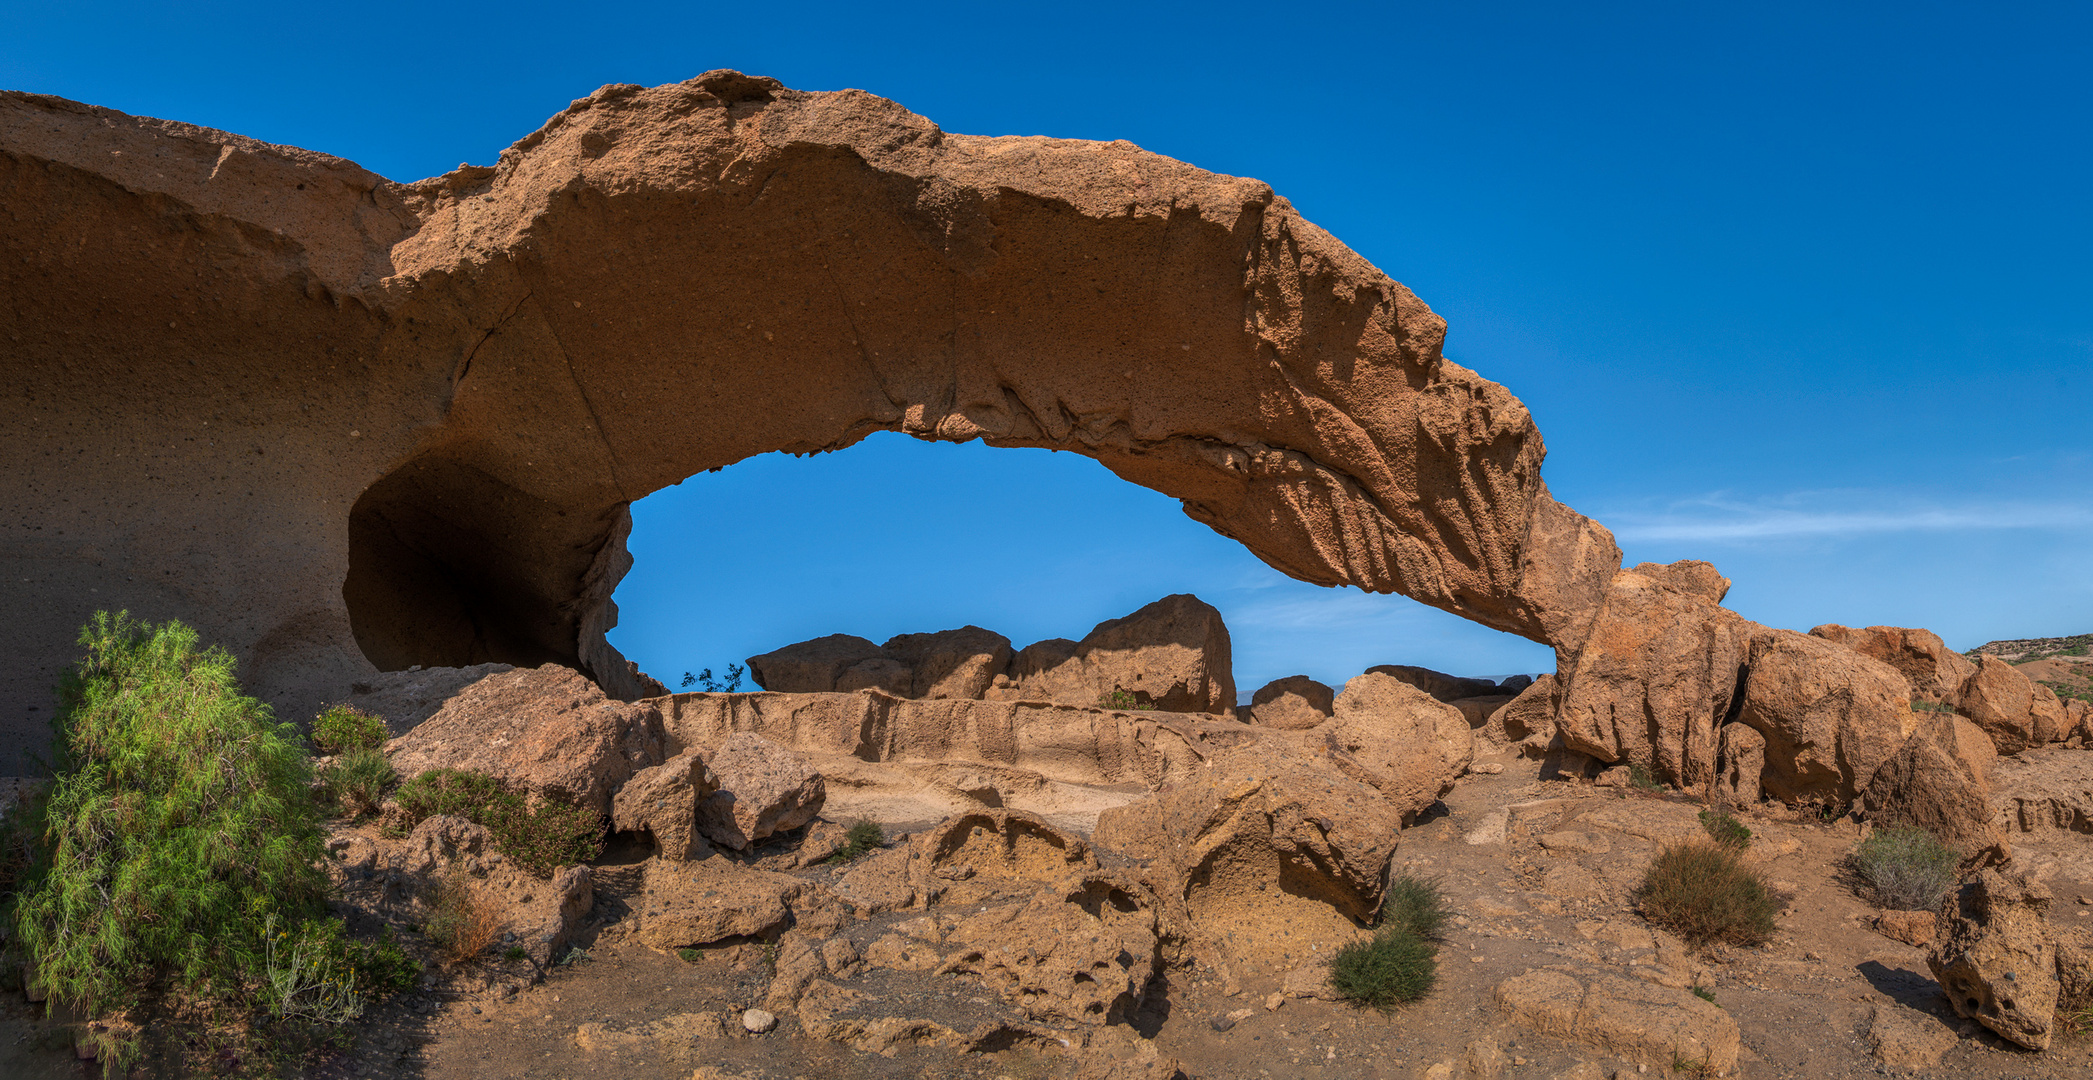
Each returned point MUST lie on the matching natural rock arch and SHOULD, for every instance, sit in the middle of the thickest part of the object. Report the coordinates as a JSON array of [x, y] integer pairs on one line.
[[435, 401]]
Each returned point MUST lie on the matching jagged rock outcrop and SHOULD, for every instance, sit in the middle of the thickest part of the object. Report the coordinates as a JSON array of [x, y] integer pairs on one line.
[[1936, 672], [663, 801], [345, 425], [2011, 708], [1172, 655], [2043, 791], [762, 789], [1438, 684], [1996, 956]]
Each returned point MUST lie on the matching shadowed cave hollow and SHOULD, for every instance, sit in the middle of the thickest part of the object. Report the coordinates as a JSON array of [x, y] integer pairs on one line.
[[893, 535]]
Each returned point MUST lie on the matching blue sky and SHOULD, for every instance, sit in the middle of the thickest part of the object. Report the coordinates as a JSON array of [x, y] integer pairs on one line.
[[1800, 289]]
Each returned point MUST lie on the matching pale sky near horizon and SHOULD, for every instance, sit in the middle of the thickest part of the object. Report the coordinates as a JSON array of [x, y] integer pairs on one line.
[[1800, 289]]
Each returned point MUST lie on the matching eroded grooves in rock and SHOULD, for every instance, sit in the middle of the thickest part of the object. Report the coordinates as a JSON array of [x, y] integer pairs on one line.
[[289, 395]]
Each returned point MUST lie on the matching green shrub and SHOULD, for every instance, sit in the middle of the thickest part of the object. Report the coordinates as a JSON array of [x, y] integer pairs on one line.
[[316, 971], [1641, 779], [1120, 700], [1703, 892], [1385, 970], [1907, 869], [540, 838], [1415, 906], [342, 728], [178, 829], [1725, 829], [863, 837], [356, 782], [1706, 995]]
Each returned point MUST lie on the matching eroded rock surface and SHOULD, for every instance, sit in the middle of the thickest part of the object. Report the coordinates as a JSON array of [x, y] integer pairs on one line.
[[761, 789], [663, 801], [1292, 703], [1940, 781], [1996, 956], [1392, 735]]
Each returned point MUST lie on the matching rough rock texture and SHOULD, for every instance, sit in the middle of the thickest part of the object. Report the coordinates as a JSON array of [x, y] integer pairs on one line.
[[1394, 737], [663, 801], [403, 876], [2043, 791], [1083, 949], [1940, 781], [1996, 957], [538, 343], [1437, 683], [967, 859], [1742, 757], [1172, 655], [1264, 852], [696, 903], [548, 730], [1657, 674], [1292, 704], [406, 698], [813, 667], [1830, 716], [2010, 707], [958, 663], [762, 789], [1936, 672], [1660, 1027], [1904, 1039]]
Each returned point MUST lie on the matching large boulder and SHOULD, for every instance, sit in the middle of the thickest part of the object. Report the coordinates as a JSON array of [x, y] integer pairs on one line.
[[1172, 655], [960, 663], [1830, 716], [664, 801], [1404, 742], [1995, 956], [1084, 948], [2011, 708], [813, 666], [1437, 683], [549, 731], [1293, 703], [1936, 672], [763, 789], [1657, 673], [1940, 781], [1263, 854]]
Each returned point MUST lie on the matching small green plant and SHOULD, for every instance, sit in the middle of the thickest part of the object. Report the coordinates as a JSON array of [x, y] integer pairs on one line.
[[1391, 967], [1120, 700], [770, 957], [1417, 906], [862, 837], [1703, 892], [574, 956], [356, 782], [540, 838], [308, 975], [179, 828], [514, 953], [1907, 869], [1641, 779], [690, 956], [342, 728], [1706, 995], [1725, 829], [710, 685]]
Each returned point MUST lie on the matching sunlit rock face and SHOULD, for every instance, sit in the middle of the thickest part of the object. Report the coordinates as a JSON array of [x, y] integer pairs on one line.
[[344, 424]]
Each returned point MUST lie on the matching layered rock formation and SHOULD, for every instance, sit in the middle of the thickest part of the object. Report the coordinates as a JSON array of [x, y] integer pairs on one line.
[[346, 425]]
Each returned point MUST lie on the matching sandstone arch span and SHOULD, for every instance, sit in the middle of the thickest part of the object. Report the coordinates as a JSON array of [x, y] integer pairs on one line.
[[433, 402]]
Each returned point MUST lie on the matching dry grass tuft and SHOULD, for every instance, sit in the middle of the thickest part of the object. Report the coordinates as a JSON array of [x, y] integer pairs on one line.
[[465, 921], [1703, 892]]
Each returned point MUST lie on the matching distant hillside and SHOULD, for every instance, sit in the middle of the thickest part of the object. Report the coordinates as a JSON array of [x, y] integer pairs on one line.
[[2064, 664], [2042, 648]]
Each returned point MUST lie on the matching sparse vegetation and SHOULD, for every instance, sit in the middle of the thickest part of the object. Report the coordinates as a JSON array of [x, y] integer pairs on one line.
[[1641, 779], [705, 681], [863, 837], [540, 838], [1906, 869], [342, 728], [690, 956], [356, 782], [1725, 829], [1399, 963], [463, 921], [1703, 892], [1706, 995], [1120, 700]]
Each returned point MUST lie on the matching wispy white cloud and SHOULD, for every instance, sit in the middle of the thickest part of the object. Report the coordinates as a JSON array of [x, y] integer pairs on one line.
[[1835, 515]]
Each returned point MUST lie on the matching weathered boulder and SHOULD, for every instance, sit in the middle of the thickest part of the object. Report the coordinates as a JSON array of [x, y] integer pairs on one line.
[[1481, 713], [762, 789], [1392, 735], [441, 841], [1936, 673], [1940, 781], [1830, 716], [2049, 790], [1292, 703], [1742, 762], [696, 903], [664, 802], [882, 673], [1657, 673], [539, 916], [2079, 715], [406, 698], [1661, 1027], [548, 730], [2011, 708], [1995, 956], [1172, 655], [813, 666], [1530, 716], [1437, 683], [960, 663], [1263, 853], [1083, 949], [1903, 1039], [468, 484]]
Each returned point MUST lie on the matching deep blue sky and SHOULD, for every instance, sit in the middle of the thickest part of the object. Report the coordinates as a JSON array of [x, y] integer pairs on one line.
[[1805, 290]]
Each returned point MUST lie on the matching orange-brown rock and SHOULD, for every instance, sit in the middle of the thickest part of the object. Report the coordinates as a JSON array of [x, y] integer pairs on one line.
[[958, 663], [2048, 790], [1172, 655], [1392, 735], [344, 425], [813, 667], [549, 731], [1657, 674], [2011, 708], [1995, 956], [1830, 716], [1940, 781], [1936, 672], [1437, 683], [1292, 704], [663, 802]]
